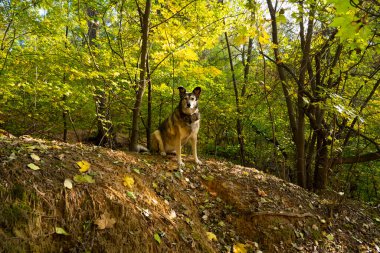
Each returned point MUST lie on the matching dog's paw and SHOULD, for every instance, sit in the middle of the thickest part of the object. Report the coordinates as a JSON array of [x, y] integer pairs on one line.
[[163, 153], [198, 162], [181, 164]]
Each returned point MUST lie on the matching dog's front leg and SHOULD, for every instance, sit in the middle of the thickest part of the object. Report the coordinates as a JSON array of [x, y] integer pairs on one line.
[[193, 141], [178, 151]]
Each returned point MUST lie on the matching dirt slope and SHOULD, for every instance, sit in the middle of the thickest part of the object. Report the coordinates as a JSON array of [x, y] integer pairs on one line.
[[142, 203]]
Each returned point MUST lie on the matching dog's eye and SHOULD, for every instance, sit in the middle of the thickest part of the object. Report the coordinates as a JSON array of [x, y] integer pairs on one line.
[[191, 99]]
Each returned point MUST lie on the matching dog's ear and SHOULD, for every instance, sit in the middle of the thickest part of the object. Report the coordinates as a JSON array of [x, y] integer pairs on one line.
[[182, 91], [197, 91]]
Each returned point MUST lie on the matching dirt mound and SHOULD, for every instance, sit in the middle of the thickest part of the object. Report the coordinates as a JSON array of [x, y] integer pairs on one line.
[[59, 197]]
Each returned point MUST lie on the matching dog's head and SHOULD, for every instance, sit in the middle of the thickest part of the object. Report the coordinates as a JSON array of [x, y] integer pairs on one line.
[[189, 100]]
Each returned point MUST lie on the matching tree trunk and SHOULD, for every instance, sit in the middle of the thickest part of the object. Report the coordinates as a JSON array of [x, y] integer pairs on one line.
[[142, 82], [321, 163], [104, 135], [239, 127], [149, 120]]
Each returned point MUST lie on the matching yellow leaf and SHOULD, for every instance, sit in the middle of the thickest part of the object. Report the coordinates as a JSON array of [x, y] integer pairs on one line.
[[211, 236], [60, 231], [33, 166], [129, 181], [240, 248], [35, 157], [83, 166]]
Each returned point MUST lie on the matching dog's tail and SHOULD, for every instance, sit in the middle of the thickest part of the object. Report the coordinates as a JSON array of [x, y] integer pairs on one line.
[[142, 149]]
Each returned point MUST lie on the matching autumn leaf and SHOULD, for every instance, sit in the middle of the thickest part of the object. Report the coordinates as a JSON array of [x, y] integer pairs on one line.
[[60, 231], [211, 236], [68, 183], [262, 193], [131, 195], [240, 248], [330, 237], [157, 238], [128, 181], [35, 157], [83, 166], [33, 166], [84, 179], [105, 221]]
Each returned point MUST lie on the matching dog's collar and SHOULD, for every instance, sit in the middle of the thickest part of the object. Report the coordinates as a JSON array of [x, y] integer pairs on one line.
[[189, 118]]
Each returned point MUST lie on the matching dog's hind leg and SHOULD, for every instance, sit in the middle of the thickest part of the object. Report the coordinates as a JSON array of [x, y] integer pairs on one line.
[[157, 138]]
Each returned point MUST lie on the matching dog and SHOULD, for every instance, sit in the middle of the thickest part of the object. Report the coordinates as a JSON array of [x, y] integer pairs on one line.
[[180, 127]]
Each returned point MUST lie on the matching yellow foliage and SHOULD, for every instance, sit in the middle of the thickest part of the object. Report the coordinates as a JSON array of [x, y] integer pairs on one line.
[[128, 181], [83, 166], [187, 54], [240, 248], [211, 236]]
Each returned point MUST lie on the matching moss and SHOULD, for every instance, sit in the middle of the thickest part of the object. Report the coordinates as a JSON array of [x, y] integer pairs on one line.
[[13, 213], [18, 192]]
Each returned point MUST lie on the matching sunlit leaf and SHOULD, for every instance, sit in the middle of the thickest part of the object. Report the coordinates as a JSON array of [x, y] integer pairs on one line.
[[157, 238], [240, 248], [128, 181], [35, 157], [211, 236], [84, 179], [33, 166], [60, 231], [83, 166], [68, 183]]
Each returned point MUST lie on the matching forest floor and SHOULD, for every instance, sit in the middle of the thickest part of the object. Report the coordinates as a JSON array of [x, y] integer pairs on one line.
[[126, 202]]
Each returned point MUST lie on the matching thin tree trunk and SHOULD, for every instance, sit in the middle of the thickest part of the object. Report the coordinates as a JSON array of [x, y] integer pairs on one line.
[[149, 120], [281, 72], [142, 82], [239, 127], [104, 125]]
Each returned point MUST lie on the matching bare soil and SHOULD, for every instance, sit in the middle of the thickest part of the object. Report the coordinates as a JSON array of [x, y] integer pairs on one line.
[[216, 207]]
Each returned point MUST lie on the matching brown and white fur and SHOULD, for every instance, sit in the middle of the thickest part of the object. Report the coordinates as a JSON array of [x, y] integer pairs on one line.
[[180, 127]]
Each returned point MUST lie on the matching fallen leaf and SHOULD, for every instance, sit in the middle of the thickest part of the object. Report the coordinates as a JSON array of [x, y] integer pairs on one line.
[[60, 231], [83, 166], [128, 181], [35, 157], [262, 193], [245, 173], [146, 212], [68, 183], [157, 238], [240, 248], [208, 178], [12, 156], [84, 179], [211, 236], [131, 195], [172, 215], [330, 237], [33, 166], [105, 221]]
